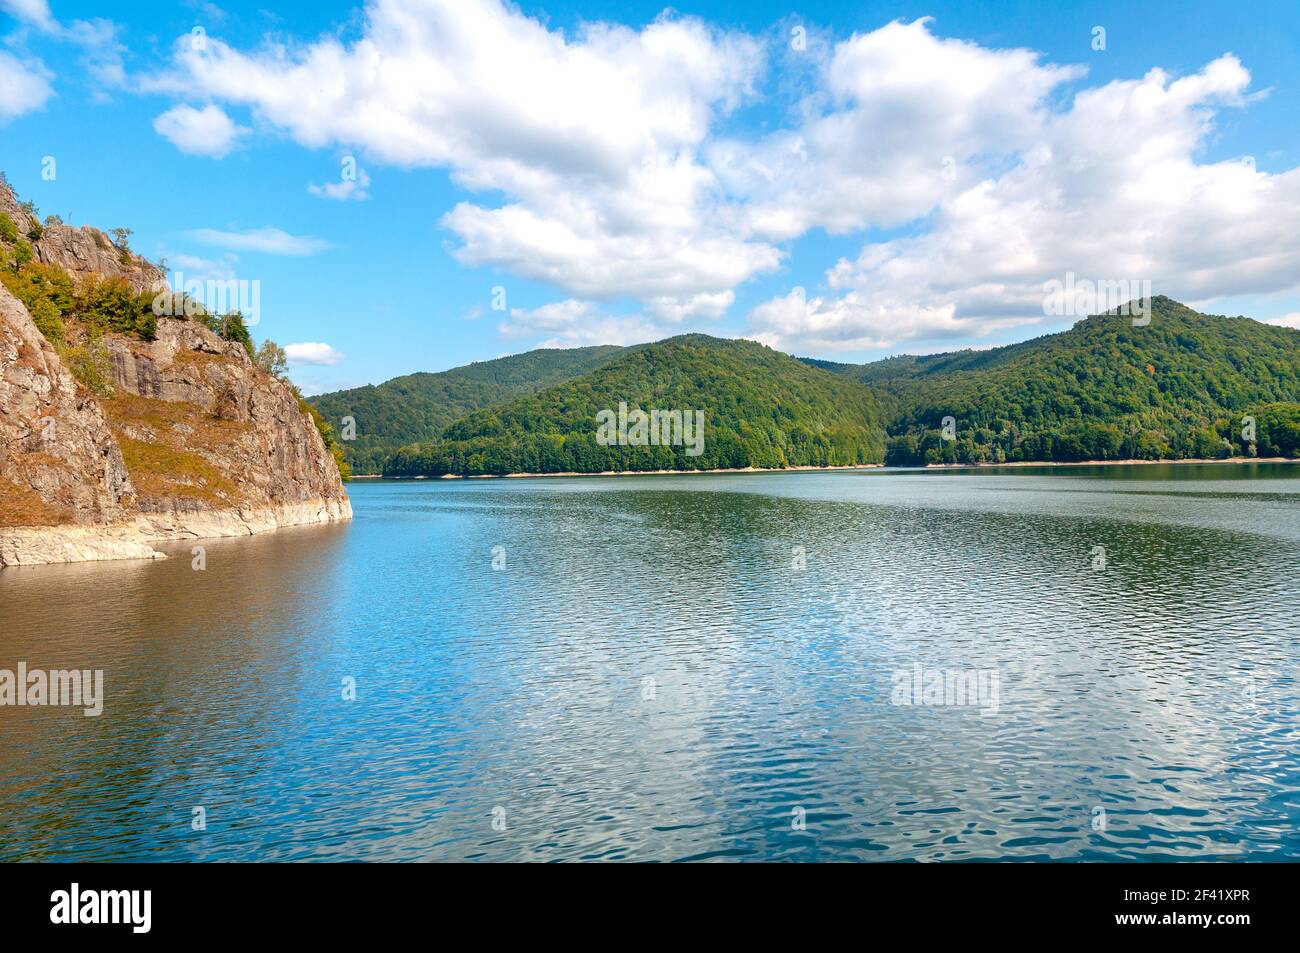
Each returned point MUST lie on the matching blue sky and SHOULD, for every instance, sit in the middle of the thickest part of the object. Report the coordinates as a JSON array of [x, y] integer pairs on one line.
[[625, 173]]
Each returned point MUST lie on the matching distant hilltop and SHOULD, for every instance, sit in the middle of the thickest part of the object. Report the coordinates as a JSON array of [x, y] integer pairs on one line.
[[120, 426], [1173, 384]]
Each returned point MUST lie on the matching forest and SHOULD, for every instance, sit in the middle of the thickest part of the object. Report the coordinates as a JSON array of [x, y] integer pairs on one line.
[[761, 409], [1186, 385]]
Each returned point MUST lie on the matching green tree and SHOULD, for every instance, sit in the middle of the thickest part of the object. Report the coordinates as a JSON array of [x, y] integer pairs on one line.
[[271, 358], [231, 327]]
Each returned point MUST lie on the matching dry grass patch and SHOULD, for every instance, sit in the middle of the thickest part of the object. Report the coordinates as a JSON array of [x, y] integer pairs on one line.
[[23, 506], [206, 430], [199, 358], [173, 465], [163, 472]]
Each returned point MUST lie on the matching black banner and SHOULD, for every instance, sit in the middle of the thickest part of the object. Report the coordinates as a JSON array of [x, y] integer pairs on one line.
[[1217, 903]]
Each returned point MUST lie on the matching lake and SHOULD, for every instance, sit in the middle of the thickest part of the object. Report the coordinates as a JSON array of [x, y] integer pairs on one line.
[[1090, 663]]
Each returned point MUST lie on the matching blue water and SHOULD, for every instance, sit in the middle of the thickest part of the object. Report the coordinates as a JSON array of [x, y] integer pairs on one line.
[[685, 668]]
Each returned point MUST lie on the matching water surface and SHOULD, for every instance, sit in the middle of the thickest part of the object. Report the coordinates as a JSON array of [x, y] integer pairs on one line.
[[685, 667]]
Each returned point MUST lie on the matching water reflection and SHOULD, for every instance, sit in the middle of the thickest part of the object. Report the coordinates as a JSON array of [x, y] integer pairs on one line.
[[656, 675]]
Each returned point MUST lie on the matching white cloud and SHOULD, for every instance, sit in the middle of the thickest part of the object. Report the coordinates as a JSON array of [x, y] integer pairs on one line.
[[201, 132], [609, 177], [35, 12], [705, 306], [195, 268], [344, 189], [895, 111], [1291, 320], [860, 321], [573, 323], [102, 53], [312, 352], [593, 138], [1076, 200], [270, 241], [24, 87]]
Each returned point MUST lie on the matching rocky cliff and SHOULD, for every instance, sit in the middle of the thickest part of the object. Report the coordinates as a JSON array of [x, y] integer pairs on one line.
[[133, 439]]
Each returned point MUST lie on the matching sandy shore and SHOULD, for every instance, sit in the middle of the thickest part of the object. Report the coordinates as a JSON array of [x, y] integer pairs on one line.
[[855, 466]]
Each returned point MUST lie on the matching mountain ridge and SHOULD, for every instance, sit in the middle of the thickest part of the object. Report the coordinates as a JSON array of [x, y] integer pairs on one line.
[[1102, 389], [762, 409], [419, 406]]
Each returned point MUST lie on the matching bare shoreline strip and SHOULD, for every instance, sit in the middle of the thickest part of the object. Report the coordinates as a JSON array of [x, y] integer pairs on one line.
[[852, 466]]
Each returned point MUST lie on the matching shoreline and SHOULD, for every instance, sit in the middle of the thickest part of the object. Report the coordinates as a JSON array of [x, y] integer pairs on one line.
[[132, 539], [579, 473], [852, 466], [1102, 463]]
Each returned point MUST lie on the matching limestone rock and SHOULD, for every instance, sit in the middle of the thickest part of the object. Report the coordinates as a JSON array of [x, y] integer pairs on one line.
[[194, 441], [82, 251], [57, 455]]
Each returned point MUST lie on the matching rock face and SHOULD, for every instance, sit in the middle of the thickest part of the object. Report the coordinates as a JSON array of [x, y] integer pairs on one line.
[[55, 444], [193, 393], [82, 251], [194, 440], [86, 251]]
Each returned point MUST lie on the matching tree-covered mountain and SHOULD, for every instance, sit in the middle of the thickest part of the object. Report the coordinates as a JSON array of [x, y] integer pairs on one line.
[[1181, 386], [418, 407], [1177, 387], [760, 408]]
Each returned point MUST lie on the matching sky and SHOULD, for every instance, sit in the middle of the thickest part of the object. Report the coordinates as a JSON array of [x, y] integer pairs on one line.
[[418, 184]]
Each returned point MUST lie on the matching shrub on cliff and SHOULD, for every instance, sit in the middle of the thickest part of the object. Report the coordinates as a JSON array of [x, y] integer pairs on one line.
[[90, 363], [47, 293], [111, 304], [8, 230], [271, 358], [231, 327], [35, 231]]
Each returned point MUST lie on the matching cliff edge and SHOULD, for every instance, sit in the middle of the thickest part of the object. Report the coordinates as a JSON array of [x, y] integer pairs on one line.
[[120, 427]]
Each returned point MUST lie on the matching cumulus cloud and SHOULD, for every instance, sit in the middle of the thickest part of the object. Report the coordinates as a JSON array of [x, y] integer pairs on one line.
[[860, 321], [594, 161], [573, 323], [312, 352], [593, 138], [270, 241], [1291, 320], [1080, 198], [200, 132], [24, 87], [706, 306], [897, 117]]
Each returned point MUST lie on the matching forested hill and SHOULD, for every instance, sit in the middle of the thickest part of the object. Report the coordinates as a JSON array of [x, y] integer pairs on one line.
[[419, 407], [1103, 390], [1177, 387], [760, 408]]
